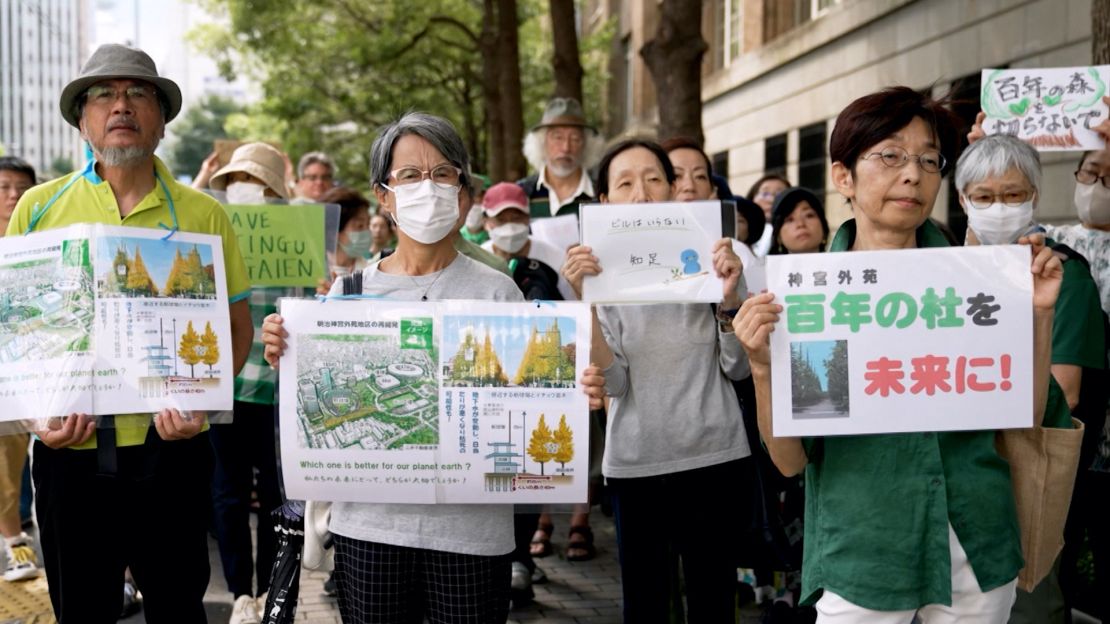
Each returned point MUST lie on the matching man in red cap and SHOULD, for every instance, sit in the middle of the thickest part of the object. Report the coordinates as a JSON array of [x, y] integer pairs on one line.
[[507, 221]]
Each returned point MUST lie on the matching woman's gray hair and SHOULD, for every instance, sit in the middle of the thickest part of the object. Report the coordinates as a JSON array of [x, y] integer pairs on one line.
[[994, 155], [435, 130]]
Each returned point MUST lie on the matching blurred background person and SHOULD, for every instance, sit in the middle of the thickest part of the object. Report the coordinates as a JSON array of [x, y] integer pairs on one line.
[[244, 449], [798, 223], [763, 193], [315, 176], [16, 176]]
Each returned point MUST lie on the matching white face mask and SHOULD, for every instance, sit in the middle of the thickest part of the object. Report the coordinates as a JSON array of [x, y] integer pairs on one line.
[[509, 237], [358, 244], [246, 193], [426, 212], [999, 224], [1092, 202]]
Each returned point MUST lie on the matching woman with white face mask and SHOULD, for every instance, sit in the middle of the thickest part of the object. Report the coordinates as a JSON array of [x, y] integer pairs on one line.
[[354, 240], [1091, 236], [998, 178], [419, 167]]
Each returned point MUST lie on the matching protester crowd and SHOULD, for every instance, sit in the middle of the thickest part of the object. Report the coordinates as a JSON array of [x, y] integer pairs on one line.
[[833, 529]]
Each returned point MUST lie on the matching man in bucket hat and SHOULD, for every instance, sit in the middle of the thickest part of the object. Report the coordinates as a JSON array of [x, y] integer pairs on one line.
[[112, 491], [561, 148]]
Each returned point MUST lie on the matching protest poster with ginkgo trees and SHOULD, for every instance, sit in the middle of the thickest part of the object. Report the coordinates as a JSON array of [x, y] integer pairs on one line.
[[435, 402], [100, 319]]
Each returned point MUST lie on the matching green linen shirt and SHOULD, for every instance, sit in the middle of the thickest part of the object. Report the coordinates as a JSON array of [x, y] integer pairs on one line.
[[878, 506], [1078, 335]]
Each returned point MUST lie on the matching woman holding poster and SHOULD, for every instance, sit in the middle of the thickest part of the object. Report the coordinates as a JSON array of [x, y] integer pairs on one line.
[[405, 562], [675, 437], [899, 525]]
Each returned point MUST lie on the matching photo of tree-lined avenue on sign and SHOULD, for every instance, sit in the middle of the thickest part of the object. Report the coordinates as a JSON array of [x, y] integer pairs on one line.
[[366, 392], [144, 267], [46, 307]]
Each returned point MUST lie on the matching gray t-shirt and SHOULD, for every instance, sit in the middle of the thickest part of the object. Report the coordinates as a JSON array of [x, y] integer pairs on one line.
[[466, 529], [673, 407]]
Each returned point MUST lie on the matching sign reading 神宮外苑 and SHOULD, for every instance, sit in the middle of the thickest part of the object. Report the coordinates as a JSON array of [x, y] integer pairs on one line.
[[899, 341]]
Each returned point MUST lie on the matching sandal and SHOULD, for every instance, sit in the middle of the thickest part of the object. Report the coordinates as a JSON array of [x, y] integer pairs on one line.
[[585, 546], [541, 541]]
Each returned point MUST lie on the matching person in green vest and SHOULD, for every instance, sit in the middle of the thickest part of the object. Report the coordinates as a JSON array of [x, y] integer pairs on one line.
[[899, 526]]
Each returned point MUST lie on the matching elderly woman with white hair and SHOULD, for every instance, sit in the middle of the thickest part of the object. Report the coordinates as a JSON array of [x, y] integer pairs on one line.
[[406, 562], [999, 181]]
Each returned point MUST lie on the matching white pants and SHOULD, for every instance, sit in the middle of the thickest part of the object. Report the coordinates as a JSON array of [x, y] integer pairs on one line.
[[969, 605]]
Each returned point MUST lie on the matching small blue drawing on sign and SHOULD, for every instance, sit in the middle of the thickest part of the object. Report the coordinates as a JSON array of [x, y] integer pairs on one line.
[[690, 264]]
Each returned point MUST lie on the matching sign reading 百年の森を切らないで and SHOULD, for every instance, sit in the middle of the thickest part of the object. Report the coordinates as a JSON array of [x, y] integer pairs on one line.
[[899, 341], [1052, 108]]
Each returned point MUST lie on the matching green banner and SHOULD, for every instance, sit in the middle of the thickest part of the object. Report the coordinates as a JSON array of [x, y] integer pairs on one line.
[[282, 245]]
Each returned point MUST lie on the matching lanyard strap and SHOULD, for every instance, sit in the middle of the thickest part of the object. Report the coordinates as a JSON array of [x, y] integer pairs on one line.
[[38, 213]]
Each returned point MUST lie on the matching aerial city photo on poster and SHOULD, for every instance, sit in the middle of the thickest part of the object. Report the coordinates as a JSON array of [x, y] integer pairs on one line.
[[371, 392]]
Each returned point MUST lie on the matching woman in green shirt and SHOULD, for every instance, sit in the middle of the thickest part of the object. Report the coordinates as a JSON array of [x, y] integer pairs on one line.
[[899, 525]]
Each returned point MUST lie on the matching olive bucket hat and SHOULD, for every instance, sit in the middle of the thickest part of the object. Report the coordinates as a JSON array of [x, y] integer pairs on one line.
[[112, 61]]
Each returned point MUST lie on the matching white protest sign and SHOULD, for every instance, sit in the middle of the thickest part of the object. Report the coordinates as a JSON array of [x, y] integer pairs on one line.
[[1051, 108], [112, 320], [435, 402], [652, 252], [560, 231], [905, 340]]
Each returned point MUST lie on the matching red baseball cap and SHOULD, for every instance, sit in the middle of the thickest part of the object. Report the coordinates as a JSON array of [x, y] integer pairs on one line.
[[502, 196]]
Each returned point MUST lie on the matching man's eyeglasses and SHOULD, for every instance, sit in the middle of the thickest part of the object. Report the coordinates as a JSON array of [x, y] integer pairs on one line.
[[103, 94], [896, 157], [1090, 177], [442, 174]]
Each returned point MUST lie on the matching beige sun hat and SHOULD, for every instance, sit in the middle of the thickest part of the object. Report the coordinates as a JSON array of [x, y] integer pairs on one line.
[[112, 61], [260, 160]]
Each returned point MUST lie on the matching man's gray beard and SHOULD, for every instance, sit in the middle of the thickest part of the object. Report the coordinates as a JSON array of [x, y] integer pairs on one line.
[[123, 156], [560, 171]]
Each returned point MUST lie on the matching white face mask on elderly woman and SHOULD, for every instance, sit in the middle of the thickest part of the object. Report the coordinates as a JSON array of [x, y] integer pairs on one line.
[[426, 212], [999, 224], [1092, 202], [246, 193]]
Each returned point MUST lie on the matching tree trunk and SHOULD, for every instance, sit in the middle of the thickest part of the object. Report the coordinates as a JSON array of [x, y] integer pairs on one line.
[[1100, 32], [491, 95], [568, 68], [674, 59], [512, 107]]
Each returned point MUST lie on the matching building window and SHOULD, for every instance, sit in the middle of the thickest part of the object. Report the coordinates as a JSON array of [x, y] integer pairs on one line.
[[629, 91], [811, 157], [719, 161], [965, 103], [782, 16], [727, 32], [774, 155]]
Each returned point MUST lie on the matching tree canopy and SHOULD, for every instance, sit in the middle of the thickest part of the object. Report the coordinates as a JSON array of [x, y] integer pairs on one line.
[[333, 71]]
